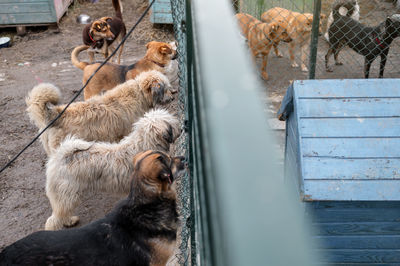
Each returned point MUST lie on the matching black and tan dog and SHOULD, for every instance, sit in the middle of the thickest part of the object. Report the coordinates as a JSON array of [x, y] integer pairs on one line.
[[102, 34], [370, 42], [141, 230], [157, 57]]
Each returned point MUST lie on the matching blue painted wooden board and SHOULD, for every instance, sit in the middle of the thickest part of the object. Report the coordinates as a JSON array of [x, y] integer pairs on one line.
[[22, 12], [346, 134], [161, 12]]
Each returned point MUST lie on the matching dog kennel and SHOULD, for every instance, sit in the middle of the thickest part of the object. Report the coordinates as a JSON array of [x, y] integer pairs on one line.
[[342, 155], [161, 12], [14, 13]]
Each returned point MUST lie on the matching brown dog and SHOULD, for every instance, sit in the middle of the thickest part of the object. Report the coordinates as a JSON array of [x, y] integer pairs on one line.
[[140, 230], [298, 26], [103, 33], [157, 57], [261, 37]]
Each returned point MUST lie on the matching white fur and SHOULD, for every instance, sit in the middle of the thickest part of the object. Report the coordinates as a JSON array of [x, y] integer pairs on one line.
[[78, 167]]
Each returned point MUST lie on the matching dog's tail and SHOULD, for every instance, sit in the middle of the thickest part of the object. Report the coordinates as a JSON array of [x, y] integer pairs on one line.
[[40, 101], [118, 8], [74, 57], [344, 8]]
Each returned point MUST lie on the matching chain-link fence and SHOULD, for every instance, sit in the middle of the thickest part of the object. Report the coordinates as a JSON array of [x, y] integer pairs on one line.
[[363, 32]]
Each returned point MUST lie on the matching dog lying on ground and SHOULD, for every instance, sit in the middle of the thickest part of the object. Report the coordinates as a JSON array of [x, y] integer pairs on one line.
[[79, 167], [140, 230], [298, 26], [103, 33], [157, 57], [261, 37], [348, 8], [108, 117], [370, 42]]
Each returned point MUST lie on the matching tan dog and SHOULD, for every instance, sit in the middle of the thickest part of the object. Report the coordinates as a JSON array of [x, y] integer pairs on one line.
[[157, 57], [107, 117], [298, 26], [261, 37], [80, 167]]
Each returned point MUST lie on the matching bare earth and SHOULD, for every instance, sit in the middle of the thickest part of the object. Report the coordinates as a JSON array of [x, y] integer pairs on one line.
[[43, 55]]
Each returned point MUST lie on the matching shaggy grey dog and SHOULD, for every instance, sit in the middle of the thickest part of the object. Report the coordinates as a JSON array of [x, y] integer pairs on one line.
[[79, 167], [108, 117]]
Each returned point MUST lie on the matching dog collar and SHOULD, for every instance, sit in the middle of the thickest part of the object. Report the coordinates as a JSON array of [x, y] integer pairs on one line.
[[158, 64], [91, 38], [379, 42]]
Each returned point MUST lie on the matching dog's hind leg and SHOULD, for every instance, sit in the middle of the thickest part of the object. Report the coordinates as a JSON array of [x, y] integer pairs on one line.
[[303, 58], [120, 52], [336, 53], [91, 56], [367, 66], [383, 63], [328, 54]]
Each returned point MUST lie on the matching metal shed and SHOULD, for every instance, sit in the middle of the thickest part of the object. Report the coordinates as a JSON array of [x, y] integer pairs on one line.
[[31, 12], [342, 155], [161, 12]]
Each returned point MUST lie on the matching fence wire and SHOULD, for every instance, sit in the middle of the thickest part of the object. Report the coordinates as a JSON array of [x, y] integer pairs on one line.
[[178, 14], [362, 31]]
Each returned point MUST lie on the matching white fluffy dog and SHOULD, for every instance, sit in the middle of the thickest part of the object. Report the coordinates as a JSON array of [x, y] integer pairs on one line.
[[79, 167], [108, 117]]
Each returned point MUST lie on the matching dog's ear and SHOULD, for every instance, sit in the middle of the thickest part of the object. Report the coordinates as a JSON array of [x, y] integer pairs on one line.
[[157, 91], [165, 49], [274, 26], [149, 44]]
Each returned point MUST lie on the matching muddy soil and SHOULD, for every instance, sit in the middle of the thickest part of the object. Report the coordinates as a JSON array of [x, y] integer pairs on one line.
[[44, 56]]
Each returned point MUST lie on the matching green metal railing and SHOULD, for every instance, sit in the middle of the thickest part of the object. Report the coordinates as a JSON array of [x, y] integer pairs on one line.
[[240, 212]]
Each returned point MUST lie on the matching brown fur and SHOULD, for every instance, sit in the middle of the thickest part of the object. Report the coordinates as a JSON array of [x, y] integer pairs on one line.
[[102, 34], [261, 37], [157, 57], [107, 117], [298, 26]]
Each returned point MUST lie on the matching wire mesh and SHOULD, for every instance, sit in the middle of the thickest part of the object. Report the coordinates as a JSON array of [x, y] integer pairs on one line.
[[364, 30], [183, 187]]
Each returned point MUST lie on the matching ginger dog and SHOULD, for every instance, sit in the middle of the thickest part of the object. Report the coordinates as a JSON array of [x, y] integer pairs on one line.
[[261, 37], [298, 26], [157, 57]]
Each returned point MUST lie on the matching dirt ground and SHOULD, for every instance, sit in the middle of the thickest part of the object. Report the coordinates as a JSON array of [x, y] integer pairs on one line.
[[43, 55]]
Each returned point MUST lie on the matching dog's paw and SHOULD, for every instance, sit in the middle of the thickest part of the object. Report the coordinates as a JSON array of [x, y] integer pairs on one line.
[[338, 63], [264, 75], [294, 64], [329, 69], [279, 54], [304, 68], [73, 220], [53, 223]]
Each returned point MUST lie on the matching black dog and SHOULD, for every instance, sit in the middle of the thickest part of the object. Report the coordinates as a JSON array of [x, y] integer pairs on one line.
[[370, 42], [141, 230]]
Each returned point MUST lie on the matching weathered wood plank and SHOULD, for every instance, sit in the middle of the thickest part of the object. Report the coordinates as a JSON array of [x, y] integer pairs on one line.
[[351, 127], [352, 190], [348, 88], [357, 228], [336, 168], [359, 242], [357, 108], [161, 7], [355, 215], [351, 147], [27, 8], [361, 256], [161, 18], [353, 204], [32, 18]]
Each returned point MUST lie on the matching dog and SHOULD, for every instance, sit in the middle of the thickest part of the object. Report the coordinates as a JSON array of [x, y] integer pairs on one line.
[[140, 230], [79, 167], [103, 33], [298, 26], [261, 37], [348, 8], [157, 57], [108, 117], [370, 42]]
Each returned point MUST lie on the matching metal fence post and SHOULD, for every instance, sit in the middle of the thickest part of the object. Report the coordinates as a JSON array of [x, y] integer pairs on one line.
[[314, 38]]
